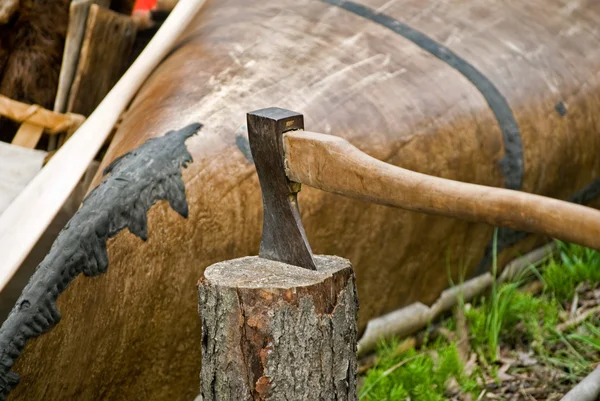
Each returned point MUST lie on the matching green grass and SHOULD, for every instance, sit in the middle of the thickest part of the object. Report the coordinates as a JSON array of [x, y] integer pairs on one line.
[[506, 316], [574, 265], [421, 375]]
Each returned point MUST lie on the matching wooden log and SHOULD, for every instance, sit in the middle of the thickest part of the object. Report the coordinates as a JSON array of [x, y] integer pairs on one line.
[[105, 50], [274, 331]]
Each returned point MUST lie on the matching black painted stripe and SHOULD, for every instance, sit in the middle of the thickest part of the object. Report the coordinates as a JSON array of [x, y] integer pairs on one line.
[[512, 163], [241, 141]]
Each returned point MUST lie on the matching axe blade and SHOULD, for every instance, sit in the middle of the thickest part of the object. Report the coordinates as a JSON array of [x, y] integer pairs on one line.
[[283, 236]]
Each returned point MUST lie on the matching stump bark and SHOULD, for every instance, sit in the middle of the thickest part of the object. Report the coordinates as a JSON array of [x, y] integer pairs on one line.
[[272, 331]]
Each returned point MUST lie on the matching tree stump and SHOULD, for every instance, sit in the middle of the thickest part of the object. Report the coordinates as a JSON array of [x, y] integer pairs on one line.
[[273, 331]]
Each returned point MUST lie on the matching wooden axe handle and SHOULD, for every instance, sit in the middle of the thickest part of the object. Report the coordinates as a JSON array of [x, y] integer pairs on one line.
[[332, 164]]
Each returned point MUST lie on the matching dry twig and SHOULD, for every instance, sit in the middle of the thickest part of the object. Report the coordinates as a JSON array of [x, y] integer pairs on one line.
[[578, 319]]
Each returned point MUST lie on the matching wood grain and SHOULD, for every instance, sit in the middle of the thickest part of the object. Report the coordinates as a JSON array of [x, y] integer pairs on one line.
[[273, 331], [28, 135], [105, 50], [34, 114], [352, 78], [48, 191], [332, 164], [78, 14]]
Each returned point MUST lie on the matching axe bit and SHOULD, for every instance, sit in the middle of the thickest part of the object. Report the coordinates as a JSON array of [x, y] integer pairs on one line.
[[283, 236]]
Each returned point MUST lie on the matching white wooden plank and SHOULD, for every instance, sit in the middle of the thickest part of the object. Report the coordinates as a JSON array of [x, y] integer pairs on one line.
[[18, 166], [20, 229]]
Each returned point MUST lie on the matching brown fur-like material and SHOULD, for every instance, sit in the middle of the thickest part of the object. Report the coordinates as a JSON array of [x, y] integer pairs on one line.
[[33, 42], [31, 49], [7, 9]]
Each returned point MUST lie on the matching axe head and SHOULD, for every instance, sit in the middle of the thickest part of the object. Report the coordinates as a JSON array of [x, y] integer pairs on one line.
[[283, 236]]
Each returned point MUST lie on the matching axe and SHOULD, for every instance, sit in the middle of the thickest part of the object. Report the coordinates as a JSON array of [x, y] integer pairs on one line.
[[286, 156]]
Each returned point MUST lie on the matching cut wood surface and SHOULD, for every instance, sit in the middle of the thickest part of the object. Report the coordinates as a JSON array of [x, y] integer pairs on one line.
[[332, 164], [19, 228], [272, 331], [105, 51]]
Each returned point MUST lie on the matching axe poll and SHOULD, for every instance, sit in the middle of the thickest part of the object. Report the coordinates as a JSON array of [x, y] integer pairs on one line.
[[287, 156]]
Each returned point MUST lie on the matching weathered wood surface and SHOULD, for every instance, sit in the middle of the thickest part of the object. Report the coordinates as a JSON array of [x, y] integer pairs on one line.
[[272, 331], [11, 291], [34, 114], [50, 189], [352, 77], [78, 13], [28, 135], [332, 164], [105, 50]]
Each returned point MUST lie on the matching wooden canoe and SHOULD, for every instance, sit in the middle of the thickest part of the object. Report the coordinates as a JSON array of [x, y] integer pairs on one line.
[[501, 96]]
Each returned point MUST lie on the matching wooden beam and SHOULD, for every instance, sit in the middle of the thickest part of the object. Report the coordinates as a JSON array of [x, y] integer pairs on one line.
[[105, 51], [34, 114], [28, 135], [78, 14], [48, 191], [18, 166], [332, 164]]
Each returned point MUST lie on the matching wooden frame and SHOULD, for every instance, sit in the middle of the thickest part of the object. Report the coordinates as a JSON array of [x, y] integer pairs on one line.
[[35, 120], [20, 229]]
